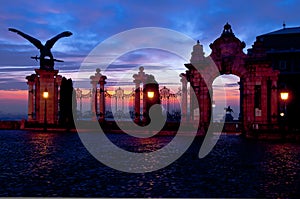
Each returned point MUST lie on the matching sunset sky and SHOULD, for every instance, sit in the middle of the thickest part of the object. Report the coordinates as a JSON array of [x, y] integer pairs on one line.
[[92, 22]]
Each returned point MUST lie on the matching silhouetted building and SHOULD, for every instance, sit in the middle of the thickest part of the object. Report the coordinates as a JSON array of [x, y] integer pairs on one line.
[[282, 49]]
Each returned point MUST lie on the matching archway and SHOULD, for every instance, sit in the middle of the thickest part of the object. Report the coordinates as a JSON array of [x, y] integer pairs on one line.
[[257, 85], [230, 84]]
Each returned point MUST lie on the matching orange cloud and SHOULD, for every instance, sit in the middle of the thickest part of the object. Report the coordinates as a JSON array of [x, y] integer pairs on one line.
[[18, 95]]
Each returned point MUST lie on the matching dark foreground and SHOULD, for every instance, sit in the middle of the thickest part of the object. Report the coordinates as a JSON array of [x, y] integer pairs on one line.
[[51, 164]]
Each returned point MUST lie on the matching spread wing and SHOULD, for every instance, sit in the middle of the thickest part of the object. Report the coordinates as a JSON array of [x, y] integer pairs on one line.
[[34, 41], [49, 44]]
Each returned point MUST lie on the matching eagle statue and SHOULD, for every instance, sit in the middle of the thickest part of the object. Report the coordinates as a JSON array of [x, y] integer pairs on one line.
[[46, 57]]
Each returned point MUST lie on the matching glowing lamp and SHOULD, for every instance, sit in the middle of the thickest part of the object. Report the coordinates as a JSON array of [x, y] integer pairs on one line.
[[281, 114], [284, 96], [150, 94], [45, 94], [213, 104]]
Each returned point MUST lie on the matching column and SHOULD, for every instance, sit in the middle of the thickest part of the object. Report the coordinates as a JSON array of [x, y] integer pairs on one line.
[[37, 100], [264, 99], [116, 103], [102, 98], [46, 79], [94, 101], [242, 94], [57, 96], [274, 101], [138, 79], [137, 101], [98, 78], [30, 100], [184, 98], [249, 109], [193, 100], [144, 117]]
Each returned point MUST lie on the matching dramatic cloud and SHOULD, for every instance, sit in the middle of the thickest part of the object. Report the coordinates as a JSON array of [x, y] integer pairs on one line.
[[94, 21]]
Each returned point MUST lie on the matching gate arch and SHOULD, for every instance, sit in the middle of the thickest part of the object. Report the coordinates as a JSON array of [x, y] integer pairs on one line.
[[258, 81]]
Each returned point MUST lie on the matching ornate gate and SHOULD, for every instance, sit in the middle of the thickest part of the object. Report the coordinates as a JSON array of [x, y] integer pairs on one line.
[[258, 81]]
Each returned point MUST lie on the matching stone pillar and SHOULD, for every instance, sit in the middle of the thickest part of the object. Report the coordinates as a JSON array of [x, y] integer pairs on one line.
[[264, 101], [102, 98], [30, 100], [137, 102], [207, 106], [274, 101], [94, 101], [248, 103], [138, 79], [204, 104], [183, 98], [79, 96], [116, 102], [123, 103], [37, 100], [47, 82], [98, 78], [144, 118], [242, 94], [57, 97], [192, 101]]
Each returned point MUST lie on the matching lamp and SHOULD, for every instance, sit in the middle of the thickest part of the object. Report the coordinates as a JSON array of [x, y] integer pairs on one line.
[[213, 104], [150, 94], [284, 95], [45, 96]]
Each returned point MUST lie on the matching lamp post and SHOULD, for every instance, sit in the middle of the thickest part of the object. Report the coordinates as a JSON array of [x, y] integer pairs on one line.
[[213, 105], [45, 96], [284, 96], [151, 96], [149, 102]]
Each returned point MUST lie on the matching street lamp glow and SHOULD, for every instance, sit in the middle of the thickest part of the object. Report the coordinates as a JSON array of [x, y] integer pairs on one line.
[[45, 94], [284, 96], [213, 104], [150, 94], [281, 114]]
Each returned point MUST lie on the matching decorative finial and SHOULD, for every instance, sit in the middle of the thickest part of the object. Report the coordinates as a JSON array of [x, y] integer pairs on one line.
[[227, 26], [283, 24], [227, 31], [198, 42]]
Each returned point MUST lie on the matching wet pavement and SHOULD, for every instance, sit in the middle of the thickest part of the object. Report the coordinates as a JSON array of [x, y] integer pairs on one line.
[[42, 164]]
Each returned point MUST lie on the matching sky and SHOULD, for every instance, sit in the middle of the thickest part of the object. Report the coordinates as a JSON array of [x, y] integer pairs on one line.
[[93, 22]]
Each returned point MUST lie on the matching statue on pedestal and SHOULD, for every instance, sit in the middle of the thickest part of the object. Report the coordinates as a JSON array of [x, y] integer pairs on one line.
[[46, 57], [228, 116]]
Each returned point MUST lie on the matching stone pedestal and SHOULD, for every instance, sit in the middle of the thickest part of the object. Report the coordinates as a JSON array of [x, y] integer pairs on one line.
[[183, 98], [43, 80], [139, 79], [47, 83], [98, 104]]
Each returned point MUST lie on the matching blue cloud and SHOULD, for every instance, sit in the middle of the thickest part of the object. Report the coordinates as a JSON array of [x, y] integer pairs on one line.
[[92, 22]]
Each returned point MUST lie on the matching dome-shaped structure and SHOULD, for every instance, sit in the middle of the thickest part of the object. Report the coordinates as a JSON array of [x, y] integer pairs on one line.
[[227, 52], [197, 54]]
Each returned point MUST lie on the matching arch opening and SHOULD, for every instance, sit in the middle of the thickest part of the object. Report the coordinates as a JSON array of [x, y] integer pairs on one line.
[[227, 84]]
